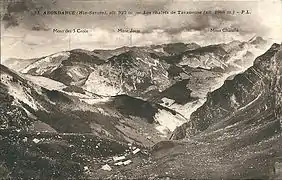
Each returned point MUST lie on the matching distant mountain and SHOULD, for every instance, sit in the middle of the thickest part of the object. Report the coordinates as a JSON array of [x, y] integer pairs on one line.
[[152, 73], [137, 70]]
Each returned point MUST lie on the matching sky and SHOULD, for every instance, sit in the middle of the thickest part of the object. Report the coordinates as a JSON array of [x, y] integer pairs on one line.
[[20, 40]]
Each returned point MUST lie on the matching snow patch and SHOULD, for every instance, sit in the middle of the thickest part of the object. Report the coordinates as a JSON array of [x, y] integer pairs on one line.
[[77, 94], [69, 74], [76, 72], [18, 92], [21, 93], [100, 85], [46, 82], [49, 63], [92, 101], [233, 101], [187, 109], [163, 130], [168, 121]]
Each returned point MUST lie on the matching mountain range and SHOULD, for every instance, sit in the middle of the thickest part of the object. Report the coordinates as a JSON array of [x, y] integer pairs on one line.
[[163, 111]]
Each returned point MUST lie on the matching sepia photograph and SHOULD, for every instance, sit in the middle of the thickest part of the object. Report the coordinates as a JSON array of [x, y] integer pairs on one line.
[[144, 89]]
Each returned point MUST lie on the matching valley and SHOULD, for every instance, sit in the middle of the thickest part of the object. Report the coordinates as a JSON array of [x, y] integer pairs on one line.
[[163, 111]]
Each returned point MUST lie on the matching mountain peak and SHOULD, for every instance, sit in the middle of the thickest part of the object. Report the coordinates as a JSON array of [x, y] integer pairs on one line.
[[257, 40]]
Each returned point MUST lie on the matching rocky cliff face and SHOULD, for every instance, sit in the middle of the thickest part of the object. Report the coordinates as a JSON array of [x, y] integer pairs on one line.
[[256, 91]]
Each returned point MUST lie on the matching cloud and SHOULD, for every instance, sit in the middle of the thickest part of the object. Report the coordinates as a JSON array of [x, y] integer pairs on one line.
[[34, 37]]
